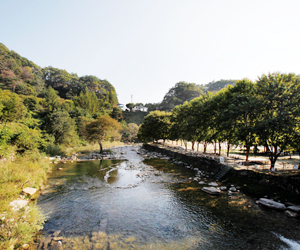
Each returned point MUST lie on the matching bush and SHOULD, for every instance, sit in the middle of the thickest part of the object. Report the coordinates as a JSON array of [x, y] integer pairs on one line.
[[54, 150]]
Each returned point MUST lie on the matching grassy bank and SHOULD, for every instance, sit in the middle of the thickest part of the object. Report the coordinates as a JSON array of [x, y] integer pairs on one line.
[[18, 227], [29, 170]]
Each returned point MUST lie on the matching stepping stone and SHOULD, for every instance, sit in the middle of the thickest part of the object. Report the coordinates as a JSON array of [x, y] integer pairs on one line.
[[211, 190], [29, 190]]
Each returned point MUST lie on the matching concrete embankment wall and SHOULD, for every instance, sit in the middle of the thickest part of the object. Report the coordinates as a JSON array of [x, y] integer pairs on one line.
[[290, 183], [204, 163]]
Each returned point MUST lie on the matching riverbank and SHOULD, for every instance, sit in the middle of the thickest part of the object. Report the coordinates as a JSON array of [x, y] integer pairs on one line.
[[19, 224], [150, 200], [279, 185]]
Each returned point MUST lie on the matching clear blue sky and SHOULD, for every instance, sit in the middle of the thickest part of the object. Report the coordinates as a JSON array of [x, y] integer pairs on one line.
[[144, 47]]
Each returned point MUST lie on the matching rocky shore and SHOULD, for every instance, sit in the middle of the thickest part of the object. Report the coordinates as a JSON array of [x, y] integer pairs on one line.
[[208, 168]]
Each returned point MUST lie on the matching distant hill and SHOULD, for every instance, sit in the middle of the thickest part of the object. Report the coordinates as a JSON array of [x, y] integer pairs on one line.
[[180, 93], [217, 86], [184, 91], [24, 77]]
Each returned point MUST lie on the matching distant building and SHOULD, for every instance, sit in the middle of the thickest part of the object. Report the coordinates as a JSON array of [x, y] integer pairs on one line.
[[121, 106], [140, 108]]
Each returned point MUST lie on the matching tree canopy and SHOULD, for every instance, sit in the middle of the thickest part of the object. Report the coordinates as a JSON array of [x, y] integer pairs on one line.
[[265, 113]]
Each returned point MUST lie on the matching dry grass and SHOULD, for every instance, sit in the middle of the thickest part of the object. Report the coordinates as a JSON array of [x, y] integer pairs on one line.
[[18, 227]]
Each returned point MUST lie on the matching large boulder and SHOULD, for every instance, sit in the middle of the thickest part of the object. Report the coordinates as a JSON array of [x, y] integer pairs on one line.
[[271, 204]]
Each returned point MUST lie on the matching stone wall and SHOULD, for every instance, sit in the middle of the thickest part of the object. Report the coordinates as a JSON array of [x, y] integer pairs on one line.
[[290, 183], [203, 163]]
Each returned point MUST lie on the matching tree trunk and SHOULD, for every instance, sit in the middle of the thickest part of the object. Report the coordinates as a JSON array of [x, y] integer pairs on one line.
[[204, 147], [272, 167], [273, 155], [193, 143], [228, 148], [198, 146], [101, 149], [219, 148], [215, 147], [247, 152]]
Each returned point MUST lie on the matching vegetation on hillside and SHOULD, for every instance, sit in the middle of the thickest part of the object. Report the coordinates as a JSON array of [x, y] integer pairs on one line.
[[44, 111]]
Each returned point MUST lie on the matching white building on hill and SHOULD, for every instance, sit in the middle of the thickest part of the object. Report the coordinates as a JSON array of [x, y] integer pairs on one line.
[[140, 108]]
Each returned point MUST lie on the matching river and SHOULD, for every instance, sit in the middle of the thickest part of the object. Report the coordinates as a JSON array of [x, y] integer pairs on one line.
[[152, 203]]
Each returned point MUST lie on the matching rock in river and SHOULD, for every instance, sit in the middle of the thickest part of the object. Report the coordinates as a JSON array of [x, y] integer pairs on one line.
[[271, 204], [211, 190]]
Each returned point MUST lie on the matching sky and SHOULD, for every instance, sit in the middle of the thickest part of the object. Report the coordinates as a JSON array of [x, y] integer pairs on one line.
[[144, 47]]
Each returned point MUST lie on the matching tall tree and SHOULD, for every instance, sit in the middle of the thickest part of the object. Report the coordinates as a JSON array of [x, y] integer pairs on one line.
[[62, 127], [101, 128], [278, 96], [156, 125]]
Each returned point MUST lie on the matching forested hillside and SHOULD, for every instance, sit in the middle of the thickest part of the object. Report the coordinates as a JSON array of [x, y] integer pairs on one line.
[[24, 77], [48, 107]]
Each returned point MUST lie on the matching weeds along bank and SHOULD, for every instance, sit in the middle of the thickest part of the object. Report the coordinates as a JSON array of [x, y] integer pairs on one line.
[[18, 227]]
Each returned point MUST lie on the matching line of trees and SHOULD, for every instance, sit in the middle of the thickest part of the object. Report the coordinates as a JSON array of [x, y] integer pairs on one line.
[[265, 113]]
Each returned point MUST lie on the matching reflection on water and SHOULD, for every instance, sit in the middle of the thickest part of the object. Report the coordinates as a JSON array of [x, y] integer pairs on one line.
[[152, 205]]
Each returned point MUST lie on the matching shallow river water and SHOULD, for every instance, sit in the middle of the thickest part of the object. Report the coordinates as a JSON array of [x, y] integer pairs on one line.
[[152, 204]]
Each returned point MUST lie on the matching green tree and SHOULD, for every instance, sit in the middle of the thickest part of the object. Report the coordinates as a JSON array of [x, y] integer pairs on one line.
[[101, 128], [88, 100], [117, 114], [240, 114], [52, 100], [202, 114], [156, 125], [152, 106], [278, 96], [62, 127], [130, 106], [11, 107]]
